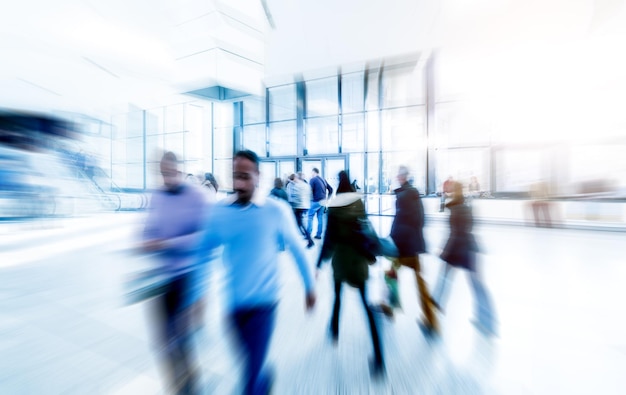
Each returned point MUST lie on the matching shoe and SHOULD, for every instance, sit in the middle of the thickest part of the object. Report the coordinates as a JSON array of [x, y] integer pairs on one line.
[[434, 303], [318, 237], [377, 369], [483, 329], [311, 244], [334, 337], [428, 331]]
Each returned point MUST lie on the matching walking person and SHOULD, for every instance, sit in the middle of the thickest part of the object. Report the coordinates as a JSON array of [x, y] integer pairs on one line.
[[460, 252], [319, 190], [172, 230], [301, 202], [278, 192], [407, 234], [349, 263], [248, 226]]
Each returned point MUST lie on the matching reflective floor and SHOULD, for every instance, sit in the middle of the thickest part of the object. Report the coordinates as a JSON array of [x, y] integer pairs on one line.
[[65, 327]]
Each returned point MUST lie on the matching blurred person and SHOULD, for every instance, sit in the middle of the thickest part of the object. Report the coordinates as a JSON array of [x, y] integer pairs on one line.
[[319, 188], [172, 231], [248, 225], [446, 190], [460, 252], [210, 187], [349, 263], [301, 202], [474, 187], [278, 191], [540, 204], [290, 188], [407, 234]]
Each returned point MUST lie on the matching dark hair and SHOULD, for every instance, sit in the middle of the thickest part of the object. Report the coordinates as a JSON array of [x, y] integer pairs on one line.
[[278, 183], [170, 157], [316, 170], [210, 178], [344, 183], [249, 155]]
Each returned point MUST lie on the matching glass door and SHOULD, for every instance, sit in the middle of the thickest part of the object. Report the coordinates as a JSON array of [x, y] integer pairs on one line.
[[271, 169], [329, 168]]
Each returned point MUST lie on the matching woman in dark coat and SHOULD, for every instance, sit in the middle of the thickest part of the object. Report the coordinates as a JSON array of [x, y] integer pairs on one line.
[[349, 262], [460, 252]]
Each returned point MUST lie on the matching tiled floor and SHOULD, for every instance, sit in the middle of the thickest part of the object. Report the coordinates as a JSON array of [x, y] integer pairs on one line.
[[65, 329]]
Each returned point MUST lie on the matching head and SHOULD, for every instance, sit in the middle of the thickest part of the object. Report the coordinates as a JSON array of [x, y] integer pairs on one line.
[[169, 170], [315, 172], [245, 175], [344, 183], [457, 192], [278, 183], [403, 175], [292, 177]]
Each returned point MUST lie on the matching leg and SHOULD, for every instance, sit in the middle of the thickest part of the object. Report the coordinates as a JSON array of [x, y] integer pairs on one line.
[[254, 328], [320, 221], [483, 305], [334, 320], [427, 304], [440, 294], [309, 225], [306, 233], [378, 355], [176, 334], [298, 214]]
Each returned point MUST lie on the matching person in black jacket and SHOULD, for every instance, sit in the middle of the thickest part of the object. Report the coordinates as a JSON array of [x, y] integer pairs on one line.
[[460, 252], [349, 262], [407, 234]]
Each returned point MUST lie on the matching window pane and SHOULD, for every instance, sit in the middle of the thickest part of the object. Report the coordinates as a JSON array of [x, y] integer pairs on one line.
[[371, 183], [135, 124], [223, 140], [352, 93], [516, 170], [194, 139], [154, 147], [134, 150], [371, 100], [597, 169], [282, 103], [373, 131], [154, 121], [322, 97], [119, 126], [462, 165], [119, 151], [456, 125], [353, 133], [224, 115], [357, 171], [286, 168], [322, 136], [282, 137], [404, 128], [254, 139], [174, 118], [403, 87], [254, 110], [174, 142], [223, 172]]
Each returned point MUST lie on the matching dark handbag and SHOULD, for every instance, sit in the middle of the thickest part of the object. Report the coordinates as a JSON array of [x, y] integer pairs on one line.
[[368, 241]]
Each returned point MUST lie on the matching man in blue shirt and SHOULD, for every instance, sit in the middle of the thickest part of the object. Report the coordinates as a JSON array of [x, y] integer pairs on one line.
[[251, 228], [319, 186]]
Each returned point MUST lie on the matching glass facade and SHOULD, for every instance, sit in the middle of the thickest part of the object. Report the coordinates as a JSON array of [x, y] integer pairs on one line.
[[372, 121]]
